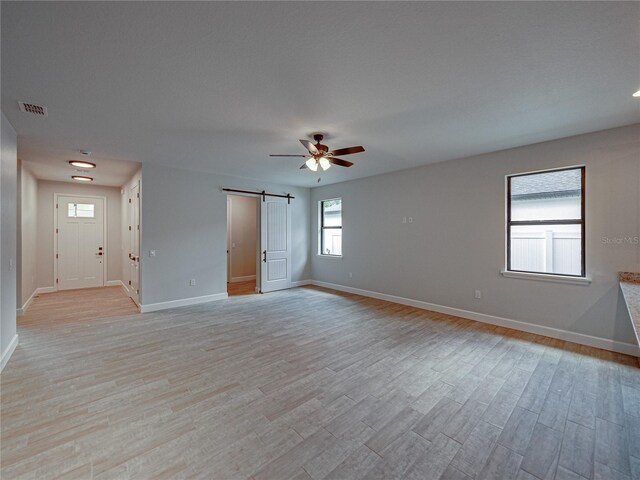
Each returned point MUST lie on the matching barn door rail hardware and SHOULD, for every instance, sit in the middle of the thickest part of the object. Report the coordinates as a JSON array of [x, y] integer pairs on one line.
[[263, 194]]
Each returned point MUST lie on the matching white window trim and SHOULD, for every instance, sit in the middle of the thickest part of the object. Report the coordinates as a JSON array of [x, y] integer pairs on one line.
[[545, 277], [319, 252], [330, 257]]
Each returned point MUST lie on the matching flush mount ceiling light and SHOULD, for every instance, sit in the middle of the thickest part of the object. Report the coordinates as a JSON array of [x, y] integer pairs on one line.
[[81, 164], [82, 178], [637, 94]]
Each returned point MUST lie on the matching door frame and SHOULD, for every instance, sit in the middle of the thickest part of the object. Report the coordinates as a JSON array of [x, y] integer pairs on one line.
[[55, 234], [229, 237], [136, 183]]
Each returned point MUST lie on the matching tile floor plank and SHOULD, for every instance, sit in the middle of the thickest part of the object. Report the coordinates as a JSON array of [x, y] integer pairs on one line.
[[273, 387]]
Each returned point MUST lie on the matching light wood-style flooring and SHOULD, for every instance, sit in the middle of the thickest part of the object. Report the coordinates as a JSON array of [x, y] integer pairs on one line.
[[71, 306], [310, 383], [241, 288]]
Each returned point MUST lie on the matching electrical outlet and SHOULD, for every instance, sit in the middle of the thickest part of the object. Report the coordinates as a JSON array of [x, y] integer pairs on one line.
[[478, 294], [192, 282]]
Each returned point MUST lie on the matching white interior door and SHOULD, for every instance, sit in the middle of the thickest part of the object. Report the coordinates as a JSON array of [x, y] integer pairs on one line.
[[134, 242], [275, 242], [229, 226], [81, 250]]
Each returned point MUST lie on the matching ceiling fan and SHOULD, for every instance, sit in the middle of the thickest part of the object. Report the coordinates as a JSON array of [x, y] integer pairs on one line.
[[320, 155]]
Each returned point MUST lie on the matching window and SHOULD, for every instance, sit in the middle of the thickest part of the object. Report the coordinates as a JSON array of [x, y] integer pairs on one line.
[[80, 210], [545, 222], [331, 227]]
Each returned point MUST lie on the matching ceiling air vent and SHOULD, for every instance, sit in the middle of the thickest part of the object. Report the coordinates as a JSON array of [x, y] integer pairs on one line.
[[33, 108]]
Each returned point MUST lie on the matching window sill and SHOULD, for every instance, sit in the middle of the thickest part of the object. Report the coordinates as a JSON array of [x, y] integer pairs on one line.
[[330, 257], [543, 277]]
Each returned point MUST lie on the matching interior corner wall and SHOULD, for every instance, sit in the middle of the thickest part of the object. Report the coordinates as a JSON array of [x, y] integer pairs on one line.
[[45, 214], [27, 235], [184, 219], [456, 242], [8, 237]]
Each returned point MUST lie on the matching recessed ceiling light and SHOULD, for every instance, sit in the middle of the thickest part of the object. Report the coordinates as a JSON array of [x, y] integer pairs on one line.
[[82, 178], [637, 94], [81, 164]]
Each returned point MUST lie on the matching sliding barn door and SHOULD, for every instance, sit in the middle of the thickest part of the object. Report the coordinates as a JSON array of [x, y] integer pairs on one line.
[[275, 241]]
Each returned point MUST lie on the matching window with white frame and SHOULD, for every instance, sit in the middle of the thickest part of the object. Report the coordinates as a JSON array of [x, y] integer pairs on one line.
[[80, 210], [331, 227], [545, 222]]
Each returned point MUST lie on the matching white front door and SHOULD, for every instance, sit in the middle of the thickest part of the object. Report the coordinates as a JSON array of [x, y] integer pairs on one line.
[[134, 242], [81, 248], [275, 242]]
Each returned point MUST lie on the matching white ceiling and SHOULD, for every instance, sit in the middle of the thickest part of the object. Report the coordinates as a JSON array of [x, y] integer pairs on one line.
[[53, 165], [217, 86]]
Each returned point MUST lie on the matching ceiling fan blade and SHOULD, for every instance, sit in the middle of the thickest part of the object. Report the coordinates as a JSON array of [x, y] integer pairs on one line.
[[303, 166], [347, 151], [310, 146], [339, 161], [300, 156]]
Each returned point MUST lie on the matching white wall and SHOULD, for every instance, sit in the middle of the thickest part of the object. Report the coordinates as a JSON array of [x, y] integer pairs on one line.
[[243, 222], [184, 218], [456, 243], [27, 234], [46, 191], [8, 238]]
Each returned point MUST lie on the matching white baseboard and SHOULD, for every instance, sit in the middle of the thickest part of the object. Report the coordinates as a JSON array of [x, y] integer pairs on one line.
[[40, 290], [242, 279], [302, 283], [183, 302], [597, 342], [117, 283], [21, 311], [6, 355]]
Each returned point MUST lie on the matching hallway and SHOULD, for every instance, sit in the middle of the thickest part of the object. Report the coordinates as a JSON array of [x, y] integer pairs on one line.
[[69, 306]]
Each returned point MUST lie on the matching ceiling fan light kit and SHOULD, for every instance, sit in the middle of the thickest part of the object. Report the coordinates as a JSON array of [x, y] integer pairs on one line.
[[312, 164], [319, 154], [324, 163]]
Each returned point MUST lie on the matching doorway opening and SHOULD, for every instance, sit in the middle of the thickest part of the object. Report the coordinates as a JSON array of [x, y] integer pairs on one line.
[[242, 244]]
